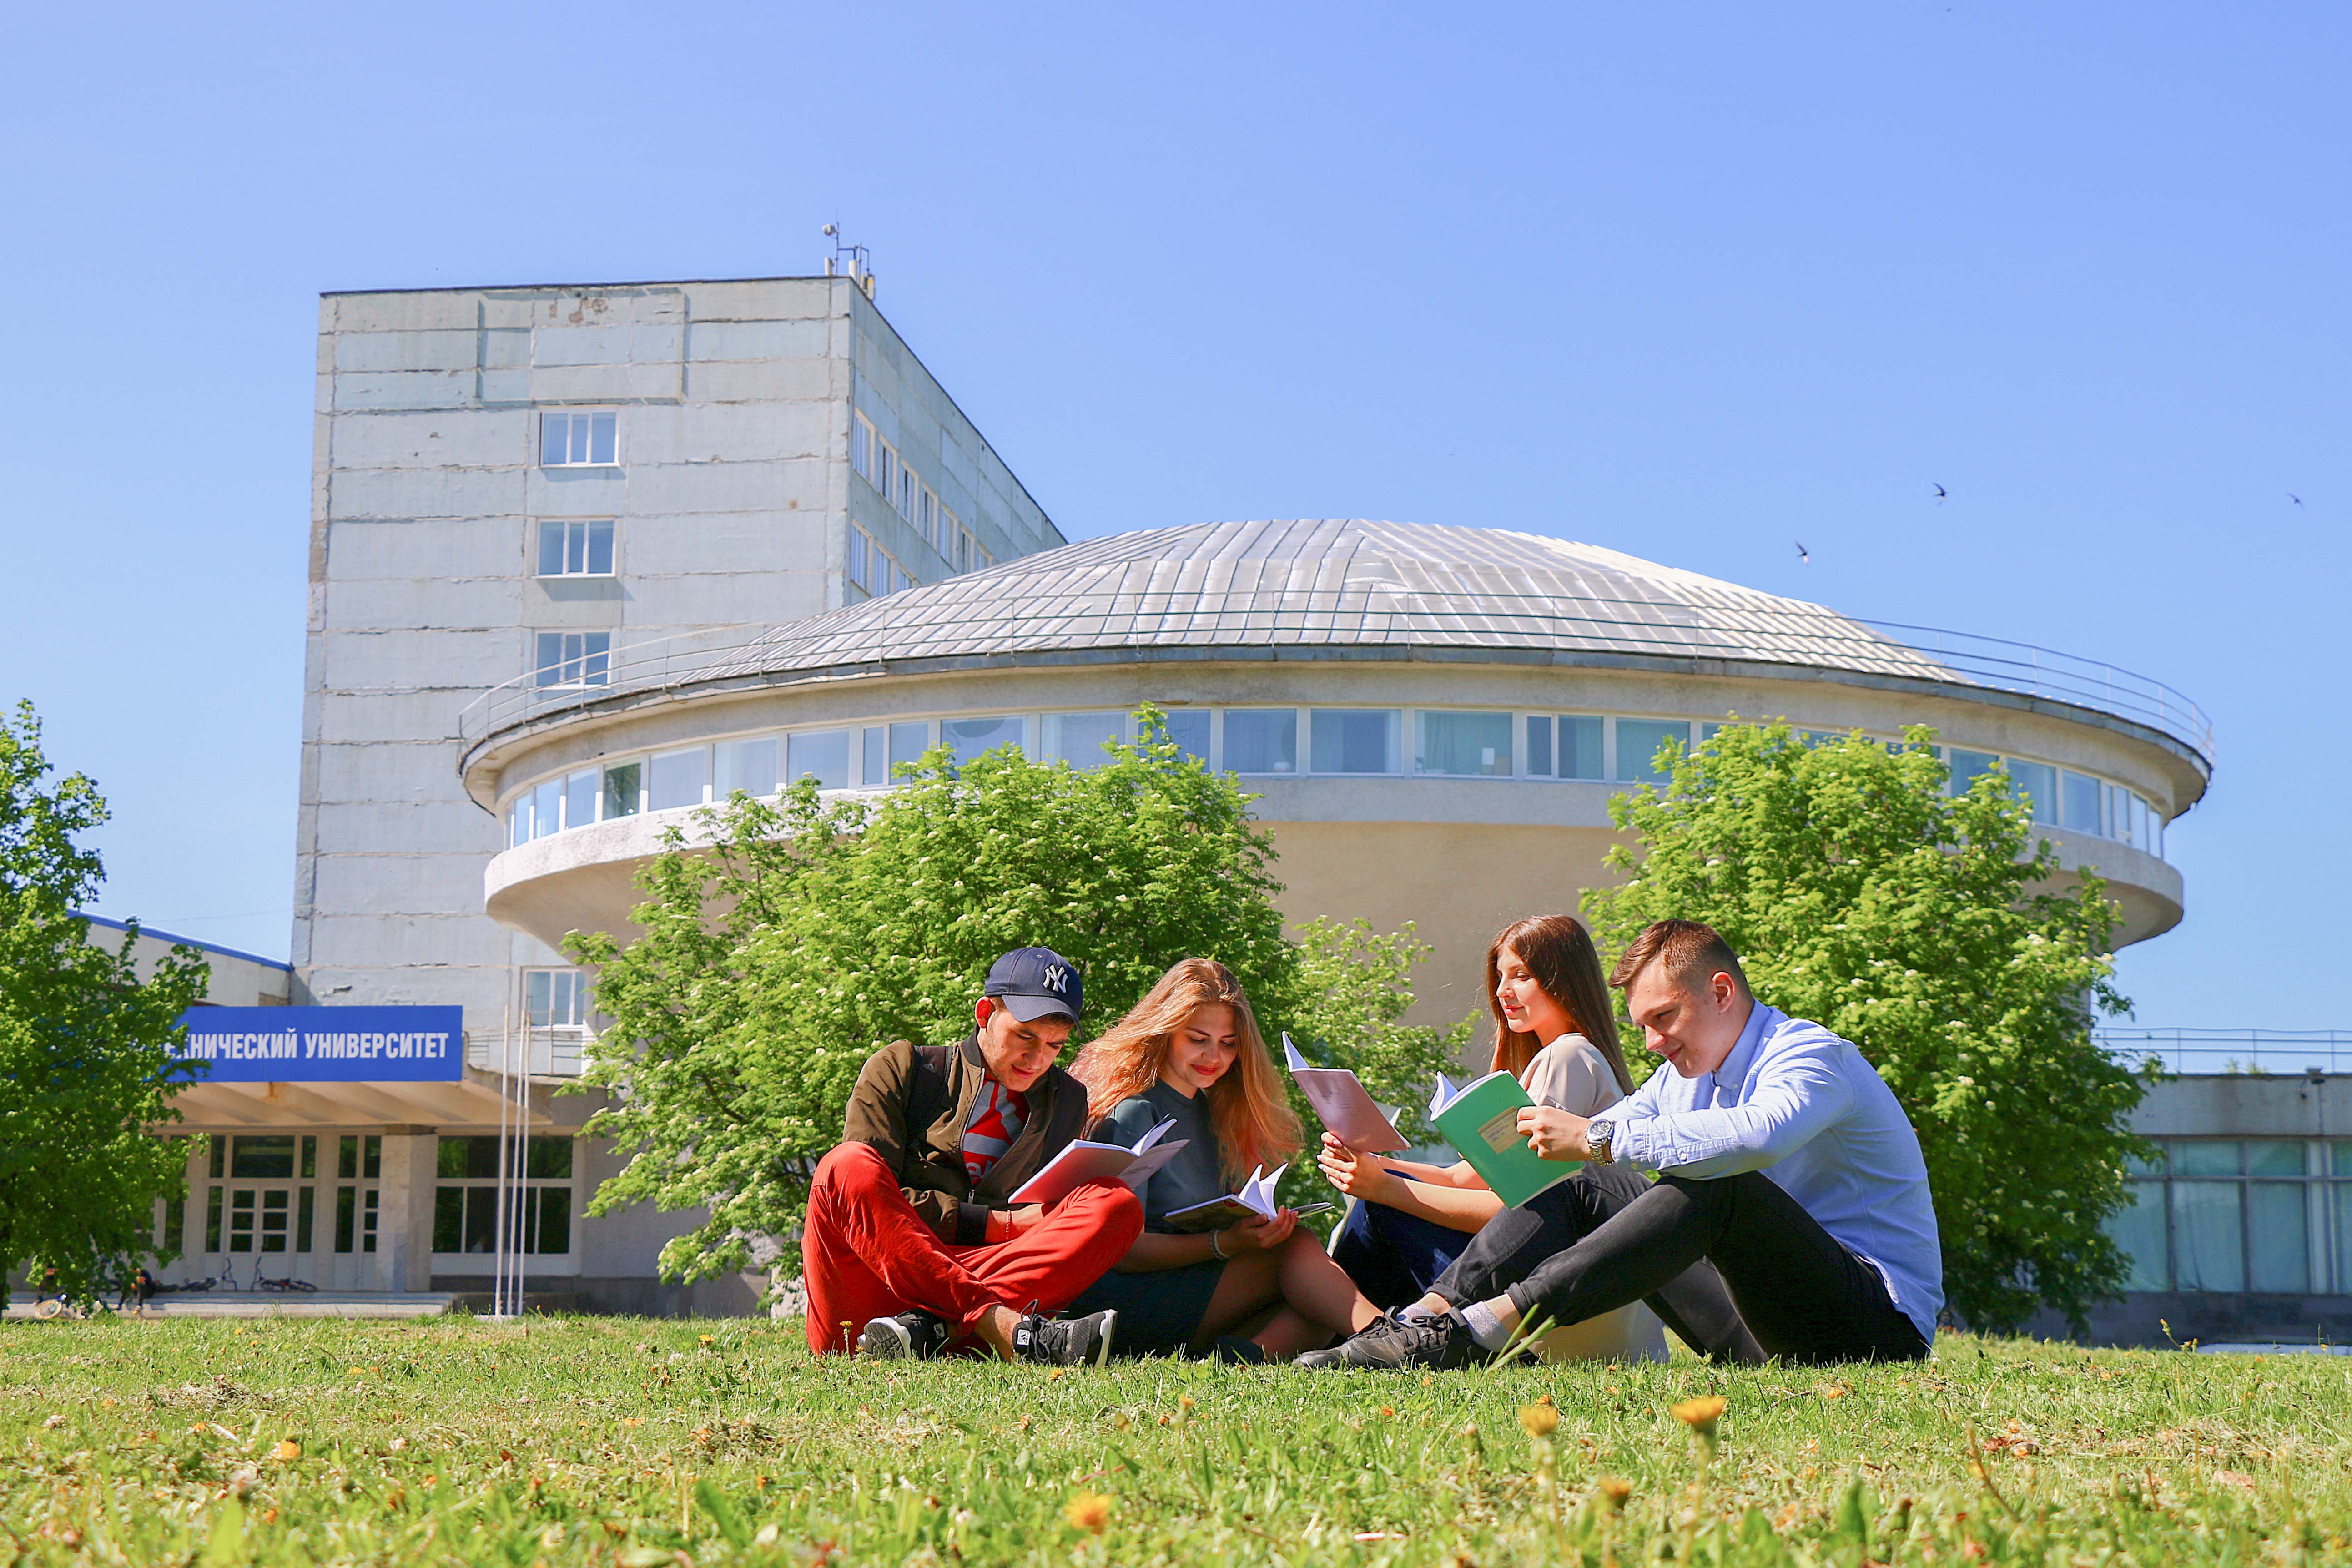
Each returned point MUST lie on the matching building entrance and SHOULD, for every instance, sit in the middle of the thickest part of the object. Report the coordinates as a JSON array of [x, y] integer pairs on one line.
[[280, 1206]]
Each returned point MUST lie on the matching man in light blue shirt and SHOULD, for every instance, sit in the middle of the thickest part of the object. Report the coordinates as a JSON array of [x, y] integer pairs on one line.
[[1782, 1158]]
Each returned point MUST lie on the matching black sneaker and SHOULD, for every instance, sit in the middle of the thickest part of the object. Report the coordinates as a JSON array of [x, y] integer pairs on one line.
[[1231, 1350], [1065, 1341], [909, 1336], [1394, 1344]]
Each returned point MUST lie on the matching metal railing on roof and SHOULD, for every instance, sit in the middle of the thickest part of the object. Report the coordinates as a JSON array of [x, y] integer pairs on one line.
[[2275, 1052], [981, 624]]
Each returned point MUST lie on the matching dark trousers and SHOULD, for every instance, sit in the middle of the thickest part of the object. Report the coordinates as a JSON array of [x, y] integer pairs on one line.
[[1395, 1256], [1608, 1237]]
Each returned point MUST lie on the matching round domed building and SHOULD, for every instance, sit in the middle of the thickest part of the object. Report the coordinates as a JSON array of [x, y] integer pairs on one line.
[[1432, 718]]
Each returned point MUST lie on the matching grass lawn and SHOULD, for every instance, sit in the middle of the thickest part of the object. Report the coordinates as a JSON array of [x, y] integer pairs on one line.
[[634, 1443]]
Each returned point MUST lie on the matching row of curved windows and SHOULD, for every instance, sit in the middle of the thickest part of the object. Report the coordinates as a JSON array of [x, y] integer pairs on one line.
[[1331, 742]]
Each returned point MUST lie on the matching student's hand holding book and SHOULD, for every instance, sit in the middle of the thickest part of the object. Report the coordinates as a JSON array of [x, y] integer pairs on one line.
[[1358, 1176], [1257, 1235], [1555, 1134]]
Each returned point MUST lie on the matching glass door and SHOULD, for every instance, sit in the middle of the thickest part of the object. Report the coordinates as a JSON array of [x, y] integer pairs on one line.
[[260, 1211]]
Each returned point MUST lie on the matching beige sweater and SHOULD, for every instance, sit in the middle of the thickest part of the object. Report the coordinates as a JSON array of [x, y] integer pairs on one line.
[[1572, 1075]]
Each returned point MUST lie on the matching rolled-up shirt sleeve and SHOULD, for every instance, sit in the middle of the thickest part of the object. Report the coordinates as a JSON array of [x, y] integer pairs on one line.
[[1795, 1094]]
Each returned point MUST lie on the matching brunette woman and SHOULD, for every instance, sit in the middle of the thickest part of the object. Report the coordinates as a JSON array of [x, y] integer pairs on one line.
[[1191, 1051], [1556, 1032]]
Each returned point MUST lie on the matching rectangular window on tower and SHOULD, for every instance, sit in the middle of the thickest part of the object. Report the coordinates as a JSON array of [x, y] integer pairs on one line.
[[575, 547], [590, 440], [555, 999], [573, 658]]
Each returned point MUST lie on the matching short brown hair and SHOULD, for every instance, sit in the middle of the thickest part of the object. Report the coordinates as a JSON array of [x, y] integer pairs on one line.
[[1693, 954]]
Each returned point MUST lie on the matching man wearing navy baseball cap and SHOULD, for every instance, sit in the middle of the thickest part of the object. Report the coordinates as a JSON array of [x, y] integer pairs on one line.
[[912, 1241]]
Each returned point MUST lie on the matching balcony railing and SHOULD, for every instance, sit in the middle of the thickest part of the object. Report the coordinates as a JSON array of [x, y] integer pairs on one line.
[[2274, 1052], [535, 1053], [1771, 636]]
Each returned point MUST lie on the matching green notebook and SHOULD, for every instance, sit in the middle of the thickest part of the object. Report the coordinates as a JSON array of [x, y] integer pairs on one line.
[[1481, 1120]]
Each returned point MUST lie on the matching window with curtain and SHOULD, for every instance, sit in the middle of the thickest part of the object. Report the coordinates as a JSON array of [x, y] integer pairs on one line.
[[1638, 740], [2267, 1215], [1463, 745], [1262, 739]]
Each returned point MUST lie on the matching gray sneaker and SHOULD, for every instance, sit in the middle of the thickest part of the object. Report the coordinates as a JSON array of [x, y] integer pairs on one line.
[[1065, 1341], [1395, 1344], [909, 1336]]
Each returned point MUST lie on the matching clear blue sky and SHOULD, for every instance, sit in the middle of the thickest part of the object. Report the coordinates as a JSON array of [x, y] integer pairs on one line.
[[1690, 282]]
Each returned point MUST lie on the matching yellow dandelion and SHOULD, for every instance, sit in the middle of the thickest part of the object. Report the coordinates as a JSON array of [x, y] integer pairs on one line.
[[1541, 1419], [710, 1339], [1614, 1490], [287, 1451], [1700, 1415], [1088, 1511]]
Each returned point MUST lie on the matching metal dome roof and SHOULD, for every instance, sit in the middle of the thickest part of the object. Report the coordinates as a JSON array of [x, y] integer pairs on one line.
[[1330, 584], [1347, 589]]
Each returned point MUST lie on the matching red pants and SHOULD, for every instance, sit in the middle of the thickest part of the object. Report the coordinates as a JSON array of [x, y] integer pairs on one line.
[[868, 1255]]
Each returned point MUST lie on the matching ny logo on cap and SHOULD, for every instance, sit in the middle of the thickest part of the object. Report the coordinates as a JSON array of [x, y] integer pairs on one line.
[[1057, 979]]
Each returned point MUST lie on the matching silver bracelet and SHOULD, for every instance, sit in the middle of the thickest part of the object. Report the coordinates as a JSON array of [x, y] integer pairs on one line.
[[1217, 1243]]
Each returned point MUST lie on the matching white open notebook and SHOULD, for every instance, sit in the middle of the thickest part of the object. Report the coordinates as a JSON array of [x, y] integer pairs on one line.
[[1081, 1162], [1345, 1105], [1254, 1202]]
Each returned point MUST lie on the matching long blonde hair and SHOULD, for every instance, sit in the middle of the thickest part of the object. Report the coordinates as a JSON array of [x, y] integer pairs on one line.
[[1247, 1109]]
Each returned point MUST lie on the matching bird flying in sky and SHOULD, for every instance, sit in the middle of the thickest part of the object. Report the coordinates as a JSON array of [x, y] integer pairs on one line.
[[1939, 493], [2295, 498], [1803, 554]]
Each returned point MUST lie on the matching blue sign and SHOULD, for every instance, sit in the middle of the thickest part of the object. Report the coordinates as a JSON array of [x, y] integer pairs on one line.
[[327, 1044]]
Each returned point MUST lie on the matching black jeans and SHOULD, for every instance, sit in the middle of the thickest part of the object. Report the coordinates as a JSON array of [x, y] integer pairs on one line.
[[1607, 1237]]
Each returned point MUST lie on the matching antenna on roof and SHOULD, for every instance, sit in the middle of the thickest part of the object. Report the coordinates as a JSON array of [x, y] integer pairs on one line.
[[851, 261]]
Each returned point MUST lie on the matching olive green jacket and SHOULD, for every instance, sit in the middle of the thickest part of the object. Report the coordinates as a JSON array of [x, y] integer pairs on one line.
[[912, 1104]]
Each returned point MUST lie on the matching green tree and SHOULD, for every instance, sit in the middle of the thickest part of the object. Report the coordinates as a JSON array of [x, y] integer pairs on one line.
[[1861, 895], [793, 940], [86, 1049]]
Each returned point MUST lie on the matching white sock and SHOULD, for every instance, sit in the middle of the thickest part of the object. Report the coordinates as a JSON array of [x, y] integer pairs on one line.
[[1419, 1310], [1485, 1327]]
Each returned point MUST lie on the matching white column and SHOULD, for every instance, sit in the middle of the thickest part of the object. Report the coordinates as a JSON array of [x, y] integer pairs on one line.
[[404, 1212]]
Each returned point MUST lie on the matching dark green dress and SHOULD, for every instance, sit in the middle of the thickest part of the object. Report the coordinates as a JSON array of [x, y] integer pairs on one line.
[[1160, 1311]]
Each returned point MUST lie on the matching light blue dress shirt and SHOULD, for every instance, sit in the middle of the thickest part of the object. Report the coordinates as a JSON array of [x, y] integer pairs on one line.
[[1800, 1105]]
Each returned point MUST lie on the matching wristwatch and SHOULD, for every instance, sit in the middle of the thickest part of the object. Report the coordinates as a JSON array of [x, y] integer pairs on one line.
[[1597, 1136]]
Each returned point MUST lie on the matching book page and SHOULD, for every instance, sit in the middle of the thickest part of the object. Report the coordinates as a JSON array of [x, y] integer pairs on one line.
[[1344, 1106]]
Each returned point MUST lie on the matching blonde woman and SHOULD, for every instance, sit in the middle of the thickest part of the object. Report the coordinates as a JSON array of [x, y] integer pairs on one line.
[[1191, 1052]]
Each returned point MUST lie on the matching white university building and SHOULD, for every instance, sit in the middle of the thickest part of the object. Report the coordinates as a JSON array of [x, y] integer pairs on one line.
[[583, 559]]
